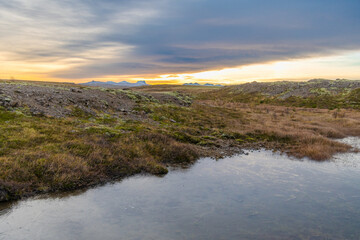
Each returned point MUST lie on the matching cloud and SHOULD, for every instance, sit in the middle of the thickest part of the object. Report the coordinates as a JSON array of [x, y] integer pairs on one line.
[[121, 37]]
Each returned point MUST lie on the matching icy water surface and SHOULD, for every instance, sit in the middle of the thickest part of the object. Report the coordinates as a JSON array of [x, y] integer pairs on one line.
[[257, 196]]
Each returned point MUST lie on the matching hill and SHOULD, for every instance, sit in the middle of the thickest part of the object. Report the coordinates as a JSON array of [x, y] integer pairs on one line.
[[111, 84], [59, 137], [206, 84], [316, 93]]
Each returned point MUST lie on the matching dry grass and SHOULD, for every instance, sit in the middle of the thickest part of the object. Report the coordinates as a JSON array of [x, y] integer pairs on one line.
[[310, 132], [177, 88], [40, 154]]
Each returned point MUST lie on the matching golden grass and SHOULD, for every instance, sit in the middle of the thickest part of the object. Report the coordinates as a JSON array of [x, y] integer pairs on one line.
[[40, 154], [311, 132]]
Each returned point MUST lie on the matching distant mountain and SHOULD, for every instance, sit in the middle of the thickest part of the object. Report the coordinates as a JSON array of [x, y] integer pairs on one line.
[[212, 85], [192, 84], [115, 84], [206, 84]]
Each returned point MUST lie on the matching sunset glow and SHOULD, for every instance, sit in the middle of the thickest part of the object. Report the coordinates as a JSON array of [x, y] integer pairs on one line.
[[164, 42], [330, 67]]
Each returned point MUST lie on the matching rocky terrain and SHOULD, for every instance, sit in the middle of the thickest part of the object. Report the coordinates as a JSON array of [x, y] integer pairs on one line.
[[61, 136], [111, 84], [61, 100], [205, 84], [287, 89], [316, 93]]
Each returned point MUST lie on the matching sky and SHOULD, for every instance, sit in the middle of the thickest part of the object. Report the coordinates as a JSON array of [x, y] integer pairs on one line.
[[172, 41]]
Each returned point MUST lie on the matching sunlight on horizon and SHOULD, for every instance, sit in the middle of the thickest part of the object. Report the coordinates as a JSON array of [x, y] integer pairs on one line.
[[332, 67], [344, 65]]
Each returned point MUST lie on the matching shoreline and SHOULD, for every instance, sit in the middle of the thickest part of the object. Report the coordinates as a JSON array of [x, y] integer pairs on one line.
[[58, 137], [217, 154]]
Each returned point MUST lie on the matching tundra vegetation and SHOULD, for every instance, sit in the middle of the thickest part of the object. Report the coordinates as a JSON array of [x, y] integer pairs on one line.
[[57, 137]]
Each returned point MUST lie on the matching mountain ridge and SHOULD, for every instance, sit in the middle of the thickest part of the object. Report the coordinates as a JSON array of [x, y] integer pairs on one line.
[[115, 84]]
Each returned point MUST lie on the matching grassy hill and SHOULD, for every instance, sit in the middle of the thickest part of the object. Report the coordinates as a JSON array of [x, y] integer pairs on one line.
[[316, 93]]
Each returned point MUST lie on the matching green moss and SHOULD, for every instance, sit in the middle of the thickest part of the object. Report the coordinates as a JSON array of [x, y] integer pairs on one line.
[[7, 116], [79, 113], [187, 138], [106, 119], [185, 99], [156, 168], [320, 91]]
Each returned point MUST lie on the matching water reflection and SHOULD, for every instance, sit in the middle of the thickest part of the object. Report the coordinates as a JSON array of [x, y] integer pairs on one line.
[[259, 196]]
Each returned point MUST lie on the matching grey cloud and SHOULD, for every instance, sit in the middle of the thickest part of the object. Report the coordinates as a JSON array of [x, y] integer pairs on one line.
[[168, 36]]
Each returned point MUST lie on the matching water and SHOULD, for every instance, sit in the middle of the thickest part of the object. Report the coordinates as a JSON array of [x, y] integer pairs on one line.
[[262, 195]]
